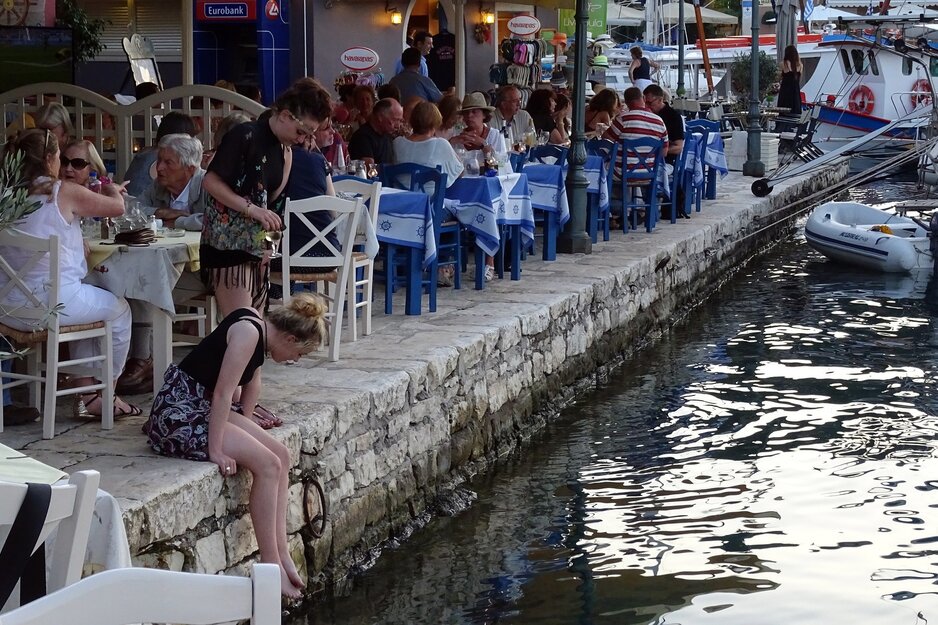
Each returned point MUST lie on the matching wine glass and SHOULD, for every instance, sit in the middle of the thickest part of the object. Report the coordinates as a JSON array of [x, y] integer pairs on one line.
[[272, 238]]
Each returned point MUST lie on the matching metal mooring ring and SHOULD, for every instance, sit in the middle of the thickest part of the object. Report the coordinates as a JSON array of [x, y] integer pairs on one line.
[[315, 507]]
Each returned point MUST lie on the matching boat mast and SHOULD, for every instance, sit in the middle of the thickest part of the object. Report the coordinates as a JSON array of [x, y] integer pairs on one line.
[[702, 44], [651, 18]]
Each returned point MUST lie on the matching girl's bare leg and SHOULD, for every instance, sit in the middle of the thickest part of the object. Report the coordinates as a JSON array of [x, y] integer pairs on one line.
[[265, 498], [283, 456]]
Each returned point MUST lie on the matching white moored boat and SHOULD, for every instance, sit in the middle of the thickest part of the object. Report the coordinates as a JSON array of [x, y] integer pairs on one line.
[[864, 236]]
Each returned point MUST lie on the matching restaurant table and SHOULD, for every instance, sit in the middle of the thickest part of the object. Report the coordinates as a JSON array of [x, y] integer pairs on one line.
[[547, 183], [107, 540], [149, 274], [484, 204], [405, 219]]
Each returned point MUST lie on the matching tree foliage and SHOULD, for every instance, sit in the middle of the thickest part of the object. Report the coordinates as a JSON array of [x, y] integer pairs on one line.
[[14, 191], [86, 30], [741, 73]]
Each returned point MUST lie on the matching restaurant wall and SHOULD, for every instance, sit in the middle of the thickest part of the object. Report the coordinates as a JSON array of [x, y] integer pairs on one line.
[[349, 23]]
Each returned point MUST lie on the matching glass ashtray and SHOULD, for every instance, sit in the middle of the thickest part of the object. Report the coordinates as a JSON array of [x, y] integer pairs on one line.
[[175, 233]]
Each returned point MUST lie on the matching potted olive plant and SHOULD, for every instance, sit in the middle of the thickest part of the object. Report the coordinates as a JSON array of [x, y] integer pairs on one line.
[[14, 206]]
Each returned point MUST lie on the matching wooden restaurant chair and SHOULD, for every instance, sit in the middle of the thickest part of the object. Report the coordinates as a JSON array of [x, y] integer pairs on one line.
[[68, 510], [336, 262], [549, 154], [361, 277], [641, 165], [49, 329], [706, 127], [606, 149], [139, 595]]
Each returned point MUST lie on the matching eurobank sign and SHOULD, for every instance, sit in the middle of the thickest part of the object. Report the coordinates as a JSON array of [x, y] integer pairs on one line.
[[218, 11]]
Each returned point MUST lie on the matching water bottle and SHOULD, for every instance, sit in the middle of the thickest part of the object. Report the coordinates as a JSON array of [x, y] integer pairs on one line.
[[94, 183]]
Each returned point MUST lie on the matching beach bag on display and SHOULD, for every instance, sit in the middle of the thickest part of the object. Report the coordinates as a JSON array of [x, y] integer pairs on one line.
[[498, 73]]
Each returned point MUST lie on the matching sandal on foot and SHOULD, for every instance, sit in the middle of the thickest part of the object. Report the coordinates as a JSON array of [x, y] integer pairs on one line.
[[81, 408], [263, 415]]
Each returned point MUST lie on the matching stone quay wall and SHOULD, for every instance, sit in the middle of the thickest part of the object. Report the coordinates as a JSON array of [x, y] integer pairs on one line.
[[424, 403]]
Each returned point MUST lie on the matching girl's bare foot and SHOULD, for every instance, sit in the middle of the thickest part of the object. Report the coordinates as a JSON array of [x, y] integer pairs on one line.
[[287, 589], [286, 563]]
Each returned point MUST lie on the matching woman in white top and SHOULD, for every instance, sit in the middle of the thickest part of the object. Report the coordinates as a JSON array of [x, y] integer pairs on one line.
[[63, 204], [423, 148], [478, 135]]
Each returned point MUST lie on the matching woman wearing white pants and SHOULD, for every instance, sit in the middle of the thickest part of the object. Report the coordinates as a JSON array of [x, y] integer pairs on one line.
[[63, 204]]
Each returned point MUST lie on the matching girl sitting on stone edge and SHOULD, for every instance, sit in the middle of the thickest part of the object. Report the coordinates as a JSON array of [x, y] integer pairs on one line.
[[194, 416]]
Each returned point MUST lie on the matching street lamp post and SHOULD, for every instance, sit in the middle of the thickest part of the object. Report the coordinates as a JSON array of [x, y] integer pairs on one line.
[[573, 239], [754, 165]]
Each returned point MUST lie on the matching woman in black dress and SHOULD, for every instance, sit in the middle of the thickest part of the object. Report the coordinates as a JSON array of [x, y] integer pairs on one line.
[[247, 178], [789, 93], [194, 415]]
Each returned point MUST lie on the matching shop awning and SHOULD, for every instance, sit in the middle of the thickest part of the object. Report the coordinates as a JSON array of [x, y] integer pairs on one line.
[[669, 13]]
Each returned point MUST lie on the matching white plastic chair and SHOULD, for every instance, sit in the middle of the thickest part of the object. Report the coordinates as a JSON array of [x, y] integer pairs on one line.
[[70, 510], [361, 290], [48, 329], [138, 595], [334, 266]]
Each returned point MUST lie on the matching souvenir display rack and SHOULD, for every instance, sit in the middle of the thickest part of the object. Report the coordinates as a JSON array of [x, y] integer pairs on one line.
[[521, 64]]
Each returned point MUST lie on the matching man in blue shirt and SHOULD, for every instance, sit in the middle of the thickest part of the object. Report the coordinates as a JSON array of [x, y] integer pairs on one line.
[[423, 43], [411, 82]]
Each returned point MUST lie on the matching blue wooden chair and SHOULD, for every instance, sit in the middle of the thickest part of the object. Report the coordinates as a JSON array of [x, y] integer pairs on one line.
[[641, 163], [432, 181], [695, 145], [607, 150], [705, 127], [550, 154], [680, 180]]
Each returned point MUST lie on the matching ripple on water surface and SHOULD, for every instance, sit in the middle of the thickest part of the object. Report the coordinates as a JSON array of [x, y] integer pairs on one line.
[[772, 461]]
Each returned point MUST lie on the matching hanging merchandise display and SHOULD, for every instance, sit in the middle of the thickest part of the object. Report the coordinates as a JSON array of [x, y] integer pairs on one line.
[[521, 62]]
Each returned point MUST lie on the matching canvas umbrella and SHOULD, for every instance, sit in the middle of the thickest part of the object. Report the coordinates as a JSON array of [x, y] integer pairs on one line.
[[785, 29]]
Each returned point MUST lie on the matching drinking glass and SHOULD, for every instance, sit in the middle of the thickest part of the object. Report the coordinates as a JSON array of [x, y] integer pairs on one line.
[[273, 237], [472, 165]]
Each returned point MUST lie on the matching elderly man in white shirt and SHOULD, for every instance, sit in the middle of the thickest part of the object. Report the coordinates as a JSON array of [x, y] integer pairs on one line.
[[177, 196]]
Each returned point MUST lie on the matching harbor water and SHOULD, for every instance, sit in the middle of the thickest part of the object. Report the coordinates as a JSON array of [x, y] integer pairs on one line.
[[771, 461]]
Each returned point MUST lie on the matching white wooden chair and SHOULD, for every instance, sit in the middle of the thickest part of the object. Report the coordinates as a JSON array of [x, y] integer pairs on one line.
[[361, 290], [334, 266], [138, 595], [70, 511], [46, 327]]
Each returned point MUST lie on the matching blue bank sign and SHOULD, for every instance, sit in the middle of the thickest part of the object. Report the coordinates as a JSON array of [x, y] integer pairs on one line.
[[214, 11]]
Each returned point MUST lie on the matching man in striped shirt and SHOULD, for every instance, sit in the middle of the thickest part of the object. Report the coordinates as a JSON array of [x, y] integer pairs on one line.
[[634, 123]]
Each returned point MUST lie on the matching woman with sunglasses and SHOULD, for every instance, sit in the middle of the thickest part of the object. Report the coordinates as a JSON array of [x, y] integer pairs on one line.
[[246, 178], [78, 160], [62, 205]]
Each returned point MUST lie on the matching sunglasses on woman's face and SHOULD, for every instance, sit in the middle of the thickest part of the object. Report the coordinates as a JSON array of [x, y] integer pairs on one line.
[[76, 163]]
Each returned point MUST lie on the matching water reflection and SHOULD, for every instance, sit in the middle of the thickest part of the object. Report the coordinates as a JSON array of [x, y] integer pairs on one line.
[[773, 461]]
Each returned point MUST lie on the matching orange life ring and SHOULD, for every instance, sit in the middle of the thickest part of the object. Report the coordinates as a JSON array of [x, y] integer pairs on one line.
[[862, 100], [921, 93]]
